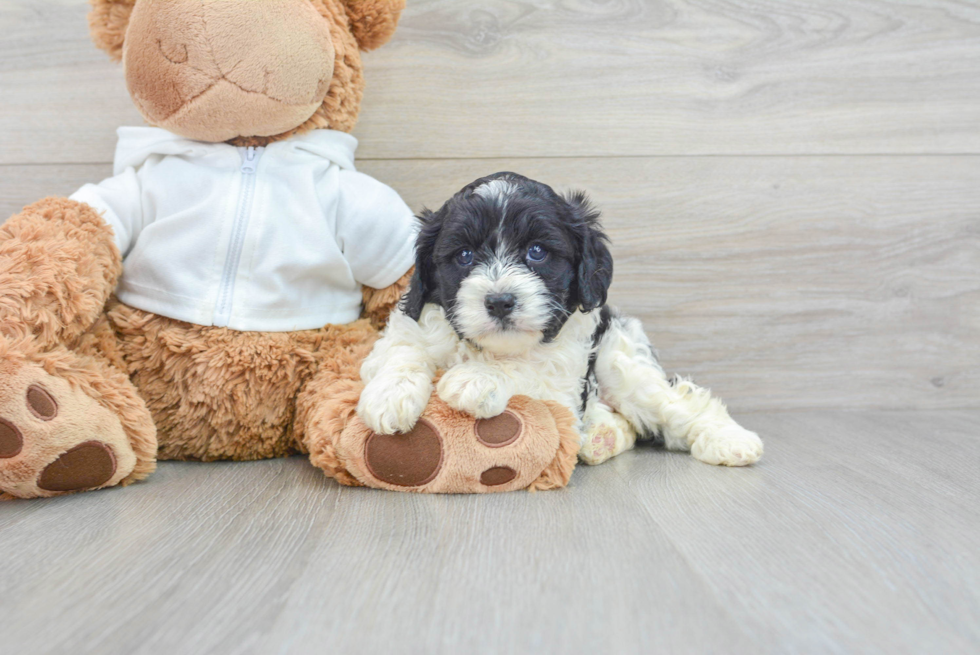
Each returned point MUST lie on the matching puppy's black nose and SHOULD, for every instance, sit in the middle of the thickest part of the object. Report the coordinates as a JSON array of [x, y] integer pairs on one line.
[[500, 305]]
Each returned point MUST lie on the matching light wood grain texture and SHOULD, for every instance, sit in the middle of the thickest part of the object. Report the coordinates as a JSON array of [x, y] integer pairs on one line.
[[856, 534], [522, 78], [778, 282]]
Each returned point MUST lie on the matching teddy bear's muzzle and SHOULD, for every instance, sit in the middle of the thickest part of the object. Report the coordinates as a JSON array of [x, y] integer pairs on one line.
[[208, 71]]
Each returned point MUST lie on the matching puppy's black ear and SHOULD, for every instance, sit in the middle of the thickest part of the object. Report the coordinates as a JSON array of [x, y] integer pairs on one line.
[[422, 286], [595, 266]]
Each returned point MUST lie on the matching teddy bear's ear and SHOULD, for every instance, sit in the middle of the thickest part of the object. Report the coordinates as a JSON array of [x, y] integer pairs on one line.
[[373, 21], [107, 23]]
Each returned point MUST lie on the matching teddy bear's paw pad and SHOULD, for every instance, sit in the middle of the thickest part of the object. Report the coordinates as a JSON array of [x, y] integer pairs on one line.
[[412, 459], [499, 431], [85, 466], [42, 405], [497, 475], [11, 440], [55, 439]]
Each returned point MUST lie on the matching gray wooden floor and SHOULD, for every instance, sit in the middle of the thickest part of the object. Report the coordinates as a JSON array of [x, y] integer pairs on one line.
[[857, 533]]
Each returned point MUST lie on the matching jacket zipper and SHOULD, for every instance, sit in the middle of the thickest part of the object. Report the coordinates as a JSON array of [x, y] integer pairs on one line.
[[226, 292]]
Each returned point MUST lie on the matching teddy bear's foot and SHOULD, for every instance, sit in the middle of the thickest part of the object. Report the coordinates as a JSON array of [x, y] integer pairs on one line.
[[532, 445], [55, 439], [416, 458]]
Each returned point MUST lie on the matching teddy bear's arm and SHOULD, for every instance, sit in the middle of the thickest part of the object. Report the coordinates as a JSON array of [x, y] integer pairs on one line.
[[58, 265], [376, 232], [379, 303]]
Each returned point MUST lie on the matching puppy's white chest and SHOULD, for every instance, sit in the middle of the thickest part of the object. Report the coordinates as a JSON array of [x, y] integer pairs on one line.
[[548, 371]]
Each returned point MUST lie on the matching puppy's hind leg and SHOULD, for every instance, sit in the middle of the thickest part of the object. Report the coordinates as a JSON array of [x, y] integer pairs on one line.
[[689, 418], [605, 434]]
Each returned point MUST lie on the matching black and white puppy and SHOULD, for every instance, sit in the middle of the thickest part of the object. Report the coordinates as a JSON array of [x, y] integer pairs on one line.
[[509, 298]]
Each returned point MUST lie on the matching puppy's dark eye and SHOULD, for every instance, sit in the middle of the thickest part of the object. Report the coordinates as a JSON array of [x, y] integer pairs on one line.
[[537, 253], [464, 258]]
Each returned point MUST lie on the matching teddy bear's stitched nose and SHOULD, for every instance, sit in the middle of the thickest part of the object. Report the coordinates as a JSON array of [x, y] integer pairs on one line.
[[208, 71]]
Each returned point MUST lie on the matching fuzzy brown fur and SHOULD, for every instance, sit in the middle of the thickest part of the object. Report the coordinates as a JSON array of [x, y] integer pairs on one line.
[[96, 378], [142, 386], [373, 23], [58, 265], [378, 303], [558, 473], [542, 458], [335, 438], [107, 24], [354, 24], [324, 421], [216, 393]]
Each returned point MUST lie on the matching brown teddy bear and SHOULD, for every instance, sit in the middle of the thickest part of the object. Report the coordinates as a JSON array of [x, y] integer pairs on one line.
[[214, 298]]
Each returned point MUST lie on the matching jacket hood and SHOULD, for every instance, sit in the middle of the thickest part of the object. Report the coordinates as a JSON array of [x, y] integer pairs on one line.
[[137, 144]]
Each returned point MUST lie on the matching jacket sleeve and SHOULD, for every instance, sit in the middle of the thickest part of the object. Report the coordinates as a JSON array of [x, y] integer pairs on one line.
[[375, 230], [119, 200]]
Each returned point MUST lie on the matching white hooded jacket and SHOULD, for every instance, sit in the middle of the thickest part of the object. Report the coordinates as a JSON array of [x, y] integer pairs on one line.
[[269, 239]]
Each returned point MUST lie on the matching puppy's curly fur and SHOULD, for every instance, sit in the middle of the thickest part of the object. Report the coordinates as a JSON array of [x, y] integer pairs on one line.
[[509, 297]]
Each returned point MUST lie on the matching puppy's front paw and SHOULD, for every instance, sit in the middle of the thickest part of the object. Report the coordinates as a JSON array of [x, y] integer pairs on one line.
[[472, 391], [730, 446], [391, 403]]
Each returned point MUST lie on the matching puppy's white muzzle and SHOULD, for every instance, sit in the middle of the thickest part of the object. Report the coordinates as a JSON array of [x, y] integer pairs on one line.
[[503, 307]]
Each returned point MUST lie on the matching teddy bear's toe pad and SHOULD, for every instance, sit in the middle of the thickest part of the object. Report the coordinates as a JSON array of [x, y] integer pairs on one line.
[[499, 431], [405, 460], [11, 440], [41, 403], [85, 466], [497, 475], [55, 439]]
